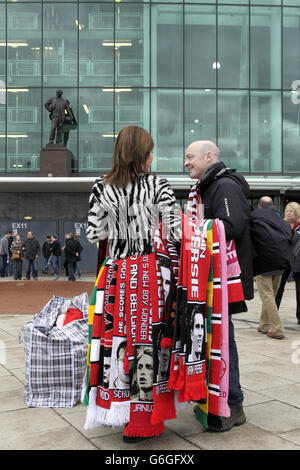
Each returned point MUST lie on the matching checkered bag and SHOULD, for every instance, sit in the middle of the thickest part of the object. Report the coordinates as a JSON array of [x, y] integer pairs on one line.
[[55, 357]]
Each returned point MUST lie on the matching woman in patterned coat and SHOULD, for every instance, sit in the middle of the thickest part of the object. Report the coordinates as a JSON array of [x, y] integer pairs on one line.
[[124, 208]]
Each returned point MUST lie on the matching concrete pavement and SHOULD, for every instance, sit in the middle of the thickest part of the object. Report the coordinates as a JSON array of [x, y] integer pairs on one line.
[[270, 379]]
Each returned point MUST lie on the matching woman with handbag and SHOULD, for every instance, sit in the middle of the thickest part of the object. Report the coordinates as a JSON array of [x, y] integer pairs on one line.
[[17, 257]]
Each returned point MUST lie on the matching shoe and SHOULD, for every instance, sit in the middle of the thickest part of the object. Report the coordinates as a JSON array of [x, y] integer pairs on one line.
[[35, 279], [262, 331], [222, 424], [271, 335], [56, 277], [133, 440]]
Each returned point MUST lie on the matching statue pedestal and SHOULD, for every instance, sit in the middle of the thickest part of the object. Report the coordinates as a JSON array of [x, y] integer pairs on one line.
[[55, 160]]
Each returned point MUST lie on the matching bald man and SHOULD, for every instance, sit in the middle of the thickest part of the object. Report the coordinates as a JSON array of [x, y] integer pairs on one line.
[[223, 194]]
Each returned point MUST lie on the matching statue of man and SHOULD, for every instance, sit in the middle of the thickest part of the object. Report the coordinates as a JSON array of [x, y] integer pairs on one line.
[[58, 109]]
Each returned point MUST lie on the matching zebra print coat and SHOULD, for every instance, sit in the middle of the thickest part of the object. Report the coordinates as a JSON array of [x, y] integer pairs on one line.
[[127, 216]]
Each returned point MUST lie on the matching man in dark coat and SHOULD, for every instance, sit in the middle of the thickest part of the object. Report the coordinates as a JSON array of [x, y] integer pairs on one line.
[[223, 195], [71, 254], [32, 251]]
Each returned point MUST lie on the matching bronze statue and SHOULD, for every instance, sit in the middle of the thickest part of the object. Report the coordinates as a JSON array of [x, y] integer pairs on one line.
[[59, 110]]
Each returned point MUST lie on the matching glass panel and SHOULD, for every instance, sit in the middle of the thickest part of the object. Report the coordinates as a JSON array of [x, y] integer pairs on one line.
[[166, 45], [233, 2], [96, 51], [132, 46], [199, 116], [291, 132], [233, 128], [24, 44], [265, 47], [23, 130], [71, 96], [265, 131], [132, 108], [291, 46], [291, 2], [166, 130], [265, 2], [200, 46], [2, 50], [61, 28], [233, 32], [96, 130]]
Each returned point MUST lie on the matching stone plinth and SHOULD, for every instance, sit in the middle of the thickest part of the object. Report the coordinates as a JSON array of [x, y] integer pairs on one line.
[[55, 160]]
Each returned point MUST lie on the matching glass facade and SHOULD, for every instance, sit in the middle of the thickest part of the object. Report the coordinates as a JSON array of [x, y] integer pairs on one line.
[[227, 71]]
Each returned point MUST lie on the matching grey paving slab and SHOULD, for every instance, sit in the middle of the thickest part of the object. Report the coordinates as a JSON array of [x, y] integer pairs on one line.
[[12, 400], [9, 382], [15, 358], [77, 420], [185, 424], [166, 441], [289, 394], [274, 416], [259, 380], [292, 436], [253, 398], [248, 437]]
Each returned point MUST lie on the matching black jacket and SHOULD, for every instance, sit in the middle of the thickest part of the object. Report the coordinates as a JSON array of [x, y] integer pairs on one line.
[[79, 249], [55, 248], [46, 250], [71, 250], [31, 248], [224, 195]]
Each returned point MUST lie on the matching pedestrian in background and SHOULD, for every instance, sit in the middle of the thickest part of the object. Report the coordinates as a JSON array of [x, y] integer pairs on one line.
[[78, 257], [17, 257], [55, 250], [46, 253], [32, 251], [292, 216], [9, 267], [4, 252], [267, 285], [70, 251]]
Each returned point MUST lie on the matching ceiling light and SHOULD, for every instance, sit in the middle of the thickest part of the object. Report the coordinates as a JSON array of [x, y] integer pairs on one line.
[[216, 65], [86, 109]]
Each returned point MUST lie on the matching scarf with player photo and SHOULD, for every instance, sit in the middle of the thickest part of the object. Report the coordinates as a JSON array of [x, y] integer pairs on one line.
[[141, 345], [236, 300], [188, 366]]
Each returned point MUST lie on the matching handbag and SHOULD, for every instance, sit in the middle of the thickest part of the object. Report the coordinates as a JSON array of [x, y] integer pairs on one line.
[[16, 256]]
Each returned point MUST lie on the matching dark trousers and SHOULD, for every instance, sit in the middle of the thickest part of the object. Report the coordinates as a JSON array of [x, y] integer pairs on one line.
[[235, 395], [17, 268], [56, 125], [284, 278], [3, 264], [71, 270], [31, 265]]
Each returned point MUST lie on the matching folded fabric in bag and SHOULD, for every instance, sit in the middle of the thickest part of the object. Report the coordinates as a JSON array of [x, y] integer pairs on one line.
[[72, 314]]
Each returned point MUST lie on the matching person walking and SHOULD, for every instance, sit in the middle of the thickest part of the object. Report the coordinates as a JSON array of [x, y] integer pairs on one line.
[[32, 251], [223, 194], [292, 216], [17, 257], [70, 250], [78, 257], [123, 207], [55, 250], [46, 253], [4, 252], [267, 285]]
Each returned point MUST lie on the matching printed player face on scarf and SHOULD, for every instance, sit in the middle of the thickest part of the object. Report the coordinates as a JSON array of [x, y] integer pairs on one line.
[[106, 371], [122, 376], [145, 375], [197, 335]]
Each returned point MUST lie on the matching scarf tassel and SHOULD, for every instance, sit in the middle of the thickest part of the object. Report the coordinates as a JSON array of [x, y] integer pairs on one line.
[[144, 431], [118, 414], [195, 392], [166, 343], [95, 416]]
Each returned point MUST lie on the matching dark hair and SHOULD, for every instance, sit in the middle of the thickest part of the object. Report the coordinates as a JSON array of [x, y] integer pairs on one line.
[[131, 151], [122, 345]]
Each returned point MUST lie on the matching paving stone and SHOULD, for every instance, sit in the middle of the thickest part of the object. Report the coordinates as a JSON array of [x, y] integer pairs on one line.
[[8, 383], [258, 380], [246, 437], [289, 394], [274, 417], [166, 441]]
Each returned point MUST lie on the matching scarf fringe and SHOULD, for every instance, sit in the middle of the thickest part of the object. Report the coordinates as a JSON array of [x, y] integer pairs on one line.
[[144, 431], [91, 420], [118, 414]]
